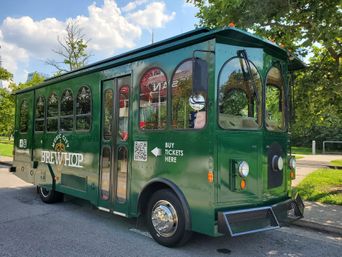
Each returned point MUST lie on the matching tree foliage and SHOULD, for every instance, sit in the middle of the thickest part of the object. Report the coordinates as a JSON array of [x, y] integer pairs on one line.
[[73, 50], [304, 27], [297, 24], [5, 75]]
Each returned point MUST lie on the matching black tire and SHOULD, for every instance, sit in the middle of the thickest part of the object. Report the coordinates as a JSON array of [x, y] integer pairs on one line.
[[166, 202], [50, 196]]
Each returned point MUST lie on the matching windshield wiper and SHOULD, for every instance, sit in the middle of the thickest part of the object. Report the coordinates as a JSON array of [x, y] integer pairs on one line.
[[243, 54]]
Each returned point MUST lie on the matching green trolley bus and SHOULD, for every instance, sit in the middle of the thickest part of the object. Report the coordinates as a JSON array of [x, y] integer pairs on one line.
[[191, 132]]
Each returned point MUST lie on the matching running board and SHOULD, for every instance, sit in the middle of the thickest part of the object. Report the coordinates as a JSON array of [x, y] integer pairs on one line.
[[242, 222]]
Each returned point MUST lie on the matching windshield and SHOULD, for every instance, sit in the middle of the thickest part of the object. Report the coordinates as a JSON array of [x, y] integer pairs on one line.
[[275, 100], [239, 90]]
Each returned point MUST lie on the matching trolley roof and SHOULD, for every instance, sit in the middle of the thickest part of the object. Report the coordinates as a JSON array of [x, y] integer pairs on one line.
[[182, 40]]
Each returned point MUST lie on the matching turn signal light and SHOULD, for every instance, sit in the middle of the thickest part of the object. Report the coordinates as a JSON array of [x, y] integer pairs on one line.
[[243, 184], [210, 176], [292, 174]]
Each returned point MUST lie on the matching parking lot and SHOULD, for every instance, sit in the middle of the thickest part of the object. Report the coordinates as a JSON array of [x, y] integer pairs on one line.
[[29, 227]]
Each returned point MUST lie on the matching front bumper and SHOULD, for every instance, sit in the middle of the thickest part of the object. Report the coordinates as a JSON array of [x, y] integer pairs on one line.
[[247, 221]]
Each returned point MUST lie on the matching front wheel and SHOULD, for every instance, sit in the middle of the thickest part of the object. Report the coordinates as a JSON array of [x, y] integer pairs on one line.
[[166, 219], [49, 196]]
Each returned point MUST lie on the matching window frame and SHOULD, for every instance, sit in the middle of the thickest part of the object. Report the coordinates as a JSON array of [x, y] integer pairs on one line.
[[260, 95], [171, 97], [90, 114], [167, 99]]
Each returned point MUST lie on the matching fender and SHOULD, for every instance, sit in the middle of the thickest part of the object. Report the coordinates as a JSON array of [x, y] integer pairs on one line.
[[163, 182]]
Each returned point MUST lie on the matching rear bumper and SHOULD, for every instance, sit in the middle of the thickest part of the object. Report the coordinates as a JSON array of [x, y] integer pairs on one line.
[[247, 221]]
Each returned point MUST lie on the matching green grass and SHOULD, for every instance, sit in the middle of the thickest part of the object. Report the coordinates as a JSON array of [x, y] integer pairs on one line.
[[302, 150], [323, 185], [6, 149], [4, 140], [336, 163], [299, 157]]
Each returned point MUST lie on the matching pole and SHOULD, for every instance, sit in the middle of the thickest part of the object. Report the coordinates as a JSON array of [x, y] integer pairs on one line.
[[313, 147]]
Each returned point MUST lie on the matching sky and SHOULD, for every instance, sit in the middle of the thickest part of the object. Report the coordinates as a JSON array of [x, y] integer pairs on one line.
[[29, 28]]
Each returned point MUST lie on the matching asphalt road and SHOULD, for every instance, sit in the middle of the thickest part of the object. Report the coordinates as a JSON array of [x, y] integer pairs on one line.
[[29, 227]]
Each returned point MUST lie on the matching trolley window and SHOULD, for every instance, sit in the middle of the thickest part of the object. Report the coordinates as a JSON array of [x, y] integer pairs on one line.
[[105, 173], [275, 102], [183, 114], [52, 113], [83, 109], [238, 94], [67, 111], [121, 191], [24, 117], [40, 114], [153, 100], [123, 110], [108, 114]]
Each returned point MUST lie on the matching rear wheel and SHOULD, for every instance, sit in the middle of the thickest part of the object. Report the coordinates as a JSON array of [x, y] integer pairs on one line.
[[166, 219], [49, 196]]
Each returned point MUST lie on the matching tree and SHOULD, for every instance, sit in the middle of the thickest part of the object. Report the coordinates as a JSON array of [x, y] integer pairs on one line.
[[297, 24], [303, 27], [5, 75], [8, 105], [72, 49]]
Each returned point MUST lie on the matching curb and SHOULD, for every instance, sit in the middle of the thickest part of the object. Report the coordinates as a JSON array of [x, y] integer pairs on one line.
[[318, 226], [9, 164]]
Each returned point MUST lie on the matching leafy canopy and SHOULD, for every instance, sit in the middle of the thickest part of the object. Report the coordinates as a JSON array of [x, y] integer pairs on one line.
[[297, 24]]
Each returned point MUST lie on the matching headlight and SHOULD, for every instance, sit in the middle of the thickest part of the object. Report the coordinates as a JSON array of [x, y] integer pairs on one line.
[[292, 163], [277, 163], [243, 169]]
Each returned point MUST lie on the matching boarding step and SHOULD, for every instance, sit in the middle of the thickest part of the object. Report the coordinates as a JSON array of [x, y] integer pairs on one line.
[[247, 221]]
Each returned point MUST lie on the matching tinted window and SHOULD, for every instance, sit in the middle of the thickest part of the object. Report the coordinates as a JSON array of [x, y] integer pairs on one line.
[[40, 107], [108, 114], [67, 110], [188, 110], [40, 114], [52, 113], [122, 174], [24, 116], [123, 108], [67, 103], [275, 117], [83, 109], [105, 173], [239, 96], [153, 99]]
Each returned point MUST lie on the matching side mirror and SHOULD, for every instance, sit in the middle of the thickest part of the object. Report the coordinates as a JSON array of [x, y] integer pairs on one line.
[[199, 75]]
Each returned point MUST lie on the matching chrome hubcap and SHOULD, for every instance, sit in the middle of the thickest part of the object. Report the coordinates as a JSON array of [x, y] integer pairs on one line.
[[164, 218], [44, 192]]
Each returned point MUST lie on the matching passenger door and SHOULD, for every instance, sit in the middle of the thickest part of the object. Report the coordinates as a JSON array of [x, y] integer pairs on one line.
[[114, 145]]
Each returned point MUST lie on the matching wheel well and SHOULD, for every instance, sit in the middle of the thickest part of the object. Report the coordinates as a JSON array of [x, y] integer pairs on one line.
[[147, 193], [159, 184]]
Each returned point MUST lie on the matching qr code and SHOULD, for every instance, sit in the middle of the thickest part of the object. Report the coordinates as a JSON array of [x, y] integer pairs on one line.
[[140, 151]]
